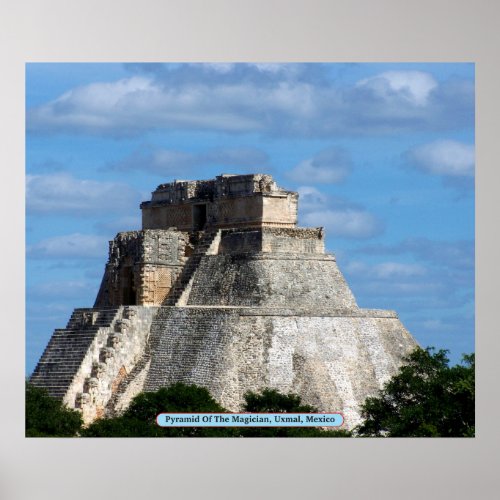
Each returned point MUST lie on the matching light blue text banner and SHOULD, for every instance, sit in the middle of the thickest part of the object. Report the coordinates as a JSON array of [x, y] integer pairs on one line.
[[250, 419]]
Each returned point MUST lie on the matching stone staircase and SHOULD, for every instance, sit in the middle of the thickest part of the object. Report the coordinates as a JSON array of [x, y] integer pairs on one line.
[[206, 246], [123, 386], [67, 348], [156, 330]]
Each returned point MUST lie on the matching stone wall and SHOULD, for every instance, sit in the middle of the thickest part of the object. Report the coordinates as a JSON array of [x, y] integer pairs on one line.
[[332, 361], [272, 240], [111, 356], [164, 217], [305, 281], [280, 211], [259, 210], [227, 201], [142, 267]]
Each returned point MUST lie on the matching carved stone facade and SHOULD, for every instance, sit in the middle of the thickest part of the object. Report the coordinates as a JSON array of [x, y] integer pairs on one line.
[[226, 201], [221, 289], [142, 267]]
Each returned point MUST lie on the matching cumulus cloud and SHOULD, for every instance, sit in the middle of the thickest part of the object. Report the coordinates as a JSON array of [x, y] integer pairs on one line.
[[413, 289], [292, 100], [338, 216], [448, 158], [311, 199], [219, 67], [440, 276], [386, 270], [171, 162], [327, 167], [453, 254], [346, 222], [57, 289], [126, 223], [64, 194], [412, 86], [70, 246]]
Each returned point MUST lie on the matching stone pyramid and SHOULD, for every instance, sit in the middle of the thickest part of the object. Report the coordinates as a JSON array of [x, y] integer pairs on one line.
[[220, 288]]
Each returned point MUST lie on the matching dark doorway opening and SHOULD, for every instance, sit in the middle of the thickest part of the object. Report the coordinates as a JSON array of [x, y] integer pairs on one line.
[[199, 217], [128, 288]]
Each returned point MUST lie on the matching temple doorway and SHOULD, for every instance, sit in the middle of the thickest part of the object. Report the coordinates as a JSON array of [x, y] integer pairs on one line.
[[127, 286], [199, 217]]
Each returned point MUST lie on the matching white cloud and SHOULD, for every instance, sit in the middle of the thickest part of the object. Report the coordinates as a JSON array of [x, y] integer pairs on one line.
[[311, 199], [437, 324], [446, 157], [440, 275], [406, 288], [72, 246], [339, 217], [222, 68], [385, 270], [455, 255], [125, 223], [61, 289], [171, 162], [139, 103], [264, 98], [346, 222], [62, 193], [270, 67], [414, 86], [327, 167]]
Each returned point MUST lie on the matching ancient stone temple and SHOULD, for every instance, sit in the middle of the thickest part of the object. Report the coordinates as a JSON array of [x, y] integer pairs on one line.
[[220, 288]]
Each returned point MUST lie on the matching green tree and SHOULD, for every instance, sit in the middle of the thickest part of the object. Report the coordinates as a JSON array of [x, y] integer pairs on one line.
[[426, 397], [140, 418], [272, 401], [48, 417]]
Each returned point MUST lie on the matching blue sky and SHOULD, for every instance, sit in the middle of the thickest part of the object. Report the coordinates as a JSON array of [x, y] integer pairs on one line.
[[381, 154]]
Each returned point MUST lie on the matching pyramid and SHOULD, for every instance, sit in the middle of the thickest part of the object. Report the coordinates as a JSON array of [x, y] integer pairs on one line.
[[221, 289]]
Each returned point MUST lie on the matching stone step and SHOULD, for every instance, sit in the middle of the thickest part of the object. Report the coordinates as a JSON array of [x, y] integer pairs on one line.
[[68, 341], [63, 341], [190, 267], [75, 332], [61, 360], [104, 317], [53, 375], [53, 384], [68, 352], [50, 378], [70, 366], [67, 348]]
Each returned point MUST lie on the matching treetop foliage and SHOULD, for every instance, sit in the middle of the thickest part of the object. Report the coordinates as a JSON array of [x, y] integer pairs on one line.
[[426, 398], [272, 401], [46, 416], [140, 418]]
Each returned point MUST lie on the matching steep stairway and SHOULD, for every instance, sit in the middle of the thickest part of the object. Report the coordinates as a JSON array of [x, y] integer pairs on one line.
[[67, 348], [180, 290], [156, 330]]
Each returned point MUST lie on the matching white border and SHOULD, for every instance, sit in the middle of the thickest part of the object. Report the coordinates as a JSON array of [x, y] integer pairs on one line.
[[256, 30]]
